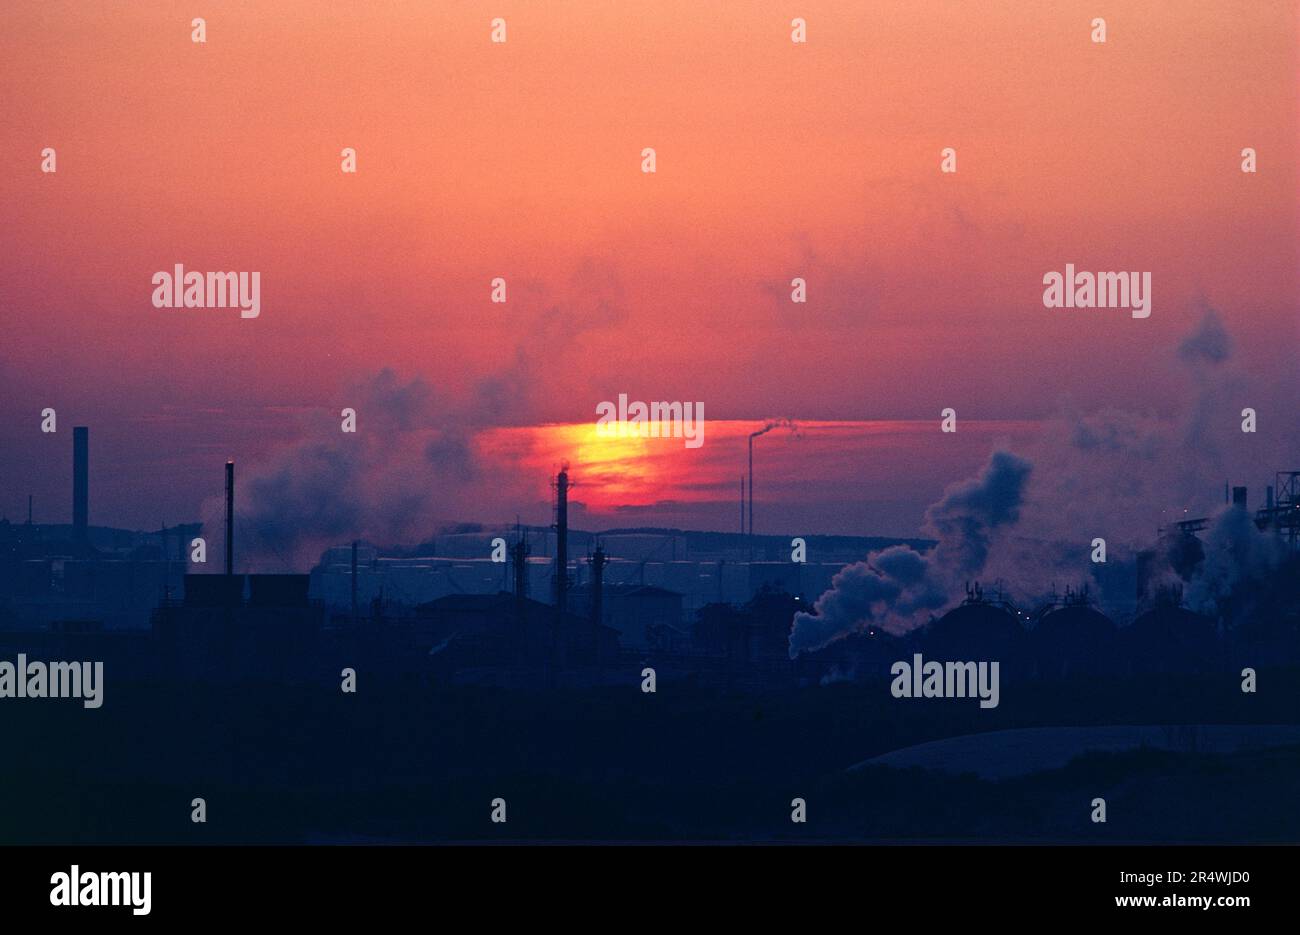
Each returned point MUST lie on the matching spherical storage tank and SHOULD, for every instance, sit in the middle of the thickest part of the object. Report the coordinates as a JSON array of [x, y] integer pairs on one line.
[[1076, 640], [1172, 639]]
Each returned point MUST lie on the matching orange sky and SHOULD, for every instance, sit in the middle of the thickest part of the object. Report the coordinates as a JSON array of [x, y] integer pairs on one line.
[[522, 160], [654, 477]]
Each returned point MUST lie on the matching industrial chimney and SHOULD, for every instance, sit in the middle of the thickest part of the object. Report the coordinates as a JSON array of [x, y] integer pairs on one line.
[[354, 582], [751, 497], [80, 481], [230, 517], [519, 555], [1239, 497], [598, 561], [561, 543]]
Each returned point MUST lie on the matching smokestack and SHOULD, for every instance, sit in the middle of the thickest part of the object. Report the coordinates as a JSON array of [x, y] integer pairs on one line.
[[354, 582], [597, 586], [519, 553], [561, 542], [767, 427], [1239, 497], [80, 481], [751, 497], [1269, 496], [742, 504], [230, 517]]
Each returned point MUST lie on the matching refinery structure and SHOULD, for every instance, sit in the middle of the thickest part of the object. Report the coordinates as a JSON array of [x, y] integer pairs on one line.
[[522, 605]]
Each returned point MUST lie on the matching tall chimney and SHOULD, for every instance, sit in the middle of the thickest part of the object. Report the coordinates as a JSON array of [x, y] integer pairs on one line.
[[354, 582], [561, 542], [751, 497], [80, 481], [597, 586], [1269, 497], [1239, 497], [230, 517], [520, 557]]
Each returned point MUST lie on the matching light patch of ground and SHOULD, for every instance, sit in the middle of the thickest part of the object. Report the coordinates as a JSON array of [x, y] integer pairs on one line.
[[1004, 754]]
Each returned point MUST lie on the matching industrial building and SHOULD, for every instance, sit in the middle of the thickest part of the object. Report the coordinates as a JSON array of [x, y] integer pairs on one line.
[[573, 607]]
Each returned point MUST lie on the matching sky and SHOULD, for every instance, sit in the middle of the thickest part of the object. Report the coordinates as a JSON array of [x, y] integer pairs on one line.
[[522, 160]]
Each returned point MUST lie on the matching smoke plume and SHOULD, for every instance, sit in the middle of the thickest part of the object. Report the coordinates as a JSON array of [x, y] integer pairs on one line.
[[1236, 551], [897, 588], [408, 465], [775, 424], [1117, 474]]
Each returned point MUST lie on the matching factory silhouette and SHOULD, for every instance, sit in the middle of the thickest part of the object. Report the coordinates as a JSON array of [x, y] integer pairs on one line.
[[573, 619], [697, 605]]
